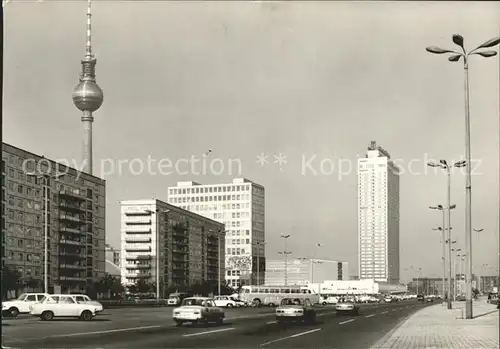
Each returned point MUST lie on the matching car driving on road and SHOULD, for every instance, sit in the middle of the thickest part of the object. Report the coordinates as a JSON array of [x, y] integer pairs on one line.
[[346, 307], [298, 309], [22, 304], [64, 305], [224, 302], [198, 310]]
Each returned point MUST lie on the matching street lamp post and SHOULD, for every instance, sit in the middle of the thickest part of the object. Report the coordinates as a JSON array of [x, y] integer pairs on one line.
[[418, 278], [312, 263], [449, 208], [259, 243], [219, 234], [443, 258], [46, 177], [455, 57], [455, 283], [285, 253], [157, 212]]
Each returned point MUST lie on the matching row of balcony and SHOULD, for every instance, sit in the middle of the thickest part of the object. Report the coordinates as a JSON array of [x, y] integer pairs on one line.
[[73, 266], [137, 275], [72, 278], [145, 222]]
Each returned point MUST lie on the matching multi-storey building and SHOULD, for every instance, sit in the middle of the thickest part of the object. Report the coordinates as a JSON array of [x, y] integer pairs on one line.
[[487, 283], [187, 247], [378, 216], [3, 214], [240, 205], [112, 261], [76, 221], [303, 271]]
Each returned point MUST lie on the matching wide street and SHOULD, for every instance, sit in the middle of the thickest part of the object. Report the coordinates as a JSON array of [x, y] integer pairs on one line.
[[243, 328]]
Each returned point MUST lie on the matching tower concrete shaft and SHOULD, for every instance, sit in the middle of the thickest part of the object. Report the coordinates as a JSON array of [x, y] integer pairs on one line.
[[87, 95]]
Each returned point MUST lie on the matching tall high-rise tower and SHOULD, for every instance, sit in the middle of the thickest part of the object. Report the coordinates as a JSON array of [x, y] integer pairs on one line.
[[378, 216], [88, 96]]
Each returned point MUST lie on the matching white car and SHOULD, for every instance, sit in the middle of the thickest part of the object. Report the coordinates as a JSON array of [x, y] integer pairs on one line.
[[173, 300], [330, 300], [346, 307], [299, 309], [198, 309], [63, 305], [224, 302], [22, 304], [82, 298]]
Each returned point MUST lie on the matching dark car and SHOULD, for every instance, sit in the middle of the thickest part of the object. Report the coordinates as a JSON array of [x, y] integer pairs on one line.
[[420, 298]]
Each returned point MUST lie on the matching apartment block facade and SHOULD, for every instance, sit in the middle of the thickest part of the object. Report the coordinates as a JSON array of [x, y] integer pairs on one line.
[[183, 247], [240, 206], [76, 221]]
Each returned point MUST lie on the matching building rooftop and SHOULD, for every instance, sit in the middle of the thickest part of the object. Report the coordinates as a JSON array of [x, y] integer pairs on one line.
[[234, 181], [171, 207], [8, 148]]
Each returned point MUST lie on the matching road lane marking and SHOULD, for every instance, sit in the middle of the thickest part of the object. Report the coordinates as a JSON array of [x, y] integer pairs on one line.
[[371, 315], [329, 313], [292, 336], [384, 312], [207, 332], [102, 332], [394, 309], [345, 322], [270, 322]]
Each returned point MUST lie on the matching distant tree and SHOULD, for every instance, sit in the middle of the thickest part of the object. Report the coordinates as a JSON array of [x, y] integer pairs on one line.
[[226, 290], [132, 288], [117, 288], [143, 286], [11, 280], [91, 291]]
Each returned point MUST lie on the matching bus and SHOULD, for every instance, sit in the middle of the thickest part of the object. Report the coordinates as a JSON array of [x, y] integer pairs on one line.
[[272, 295]]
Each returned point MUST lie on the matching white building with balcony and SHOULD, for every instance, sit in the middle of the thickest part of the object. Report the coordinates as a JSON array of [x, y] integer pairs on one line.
[[183, 247], [239, 205]]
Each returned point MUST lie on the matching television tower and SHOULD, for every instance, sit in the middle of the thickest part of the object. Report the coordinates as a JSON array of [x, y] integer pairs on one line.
[[88, 96]]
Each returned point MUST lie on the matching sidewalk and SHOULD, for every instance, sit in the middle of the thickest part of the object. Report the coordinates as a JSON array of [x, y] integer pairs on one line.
[[436, 327]]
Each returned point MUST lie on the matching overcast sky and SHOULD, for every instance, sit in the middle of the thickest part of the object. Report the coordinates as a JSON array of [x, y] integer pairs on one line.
[[243, 78]]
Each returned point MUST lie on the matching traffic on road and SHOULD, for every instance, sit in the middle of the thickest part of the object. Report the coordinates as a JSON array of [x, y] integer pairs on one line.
[[199, 322]]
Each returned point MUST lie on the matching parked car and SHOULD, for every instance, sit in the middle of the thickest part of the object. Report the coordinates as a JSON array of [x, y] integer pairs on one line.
[[295, 310], [64, 305], [224, 302], [420, 298], [344, 306], [22, 304], [198, 309]]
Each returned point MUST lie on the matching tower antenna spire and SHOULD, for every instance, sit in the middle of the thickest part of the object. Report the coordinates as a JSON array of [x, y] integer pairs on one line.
[[89, 30], [87, 95]]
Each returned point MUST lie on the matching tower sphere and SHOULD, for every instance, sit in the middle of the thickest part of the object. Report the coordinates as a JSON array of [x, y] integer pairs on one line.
[[88, 96]]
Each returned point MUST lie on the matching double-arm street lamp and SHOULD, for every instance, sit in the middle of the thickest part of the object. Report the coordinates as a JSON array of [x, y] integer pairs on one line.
[[455, 57], [46, 188], [443, 236], [285, 254], [158, 212]]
